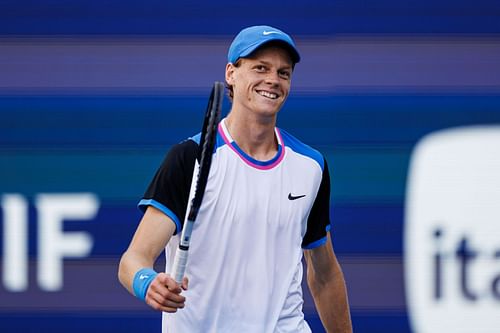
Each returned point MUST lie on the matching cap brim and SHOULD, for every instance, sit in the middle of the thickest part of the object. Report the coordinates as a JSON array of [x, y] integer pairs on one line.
[[294, 54]]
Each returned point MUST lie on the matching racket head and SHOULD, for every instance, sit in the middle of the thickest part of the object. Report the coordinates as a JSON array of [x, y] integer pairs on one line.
[[207, 145]]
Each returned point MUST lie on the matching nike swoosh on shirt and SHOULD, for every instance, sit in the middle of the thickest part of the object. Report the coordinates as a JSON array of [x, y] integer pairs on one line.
[[292, 197]]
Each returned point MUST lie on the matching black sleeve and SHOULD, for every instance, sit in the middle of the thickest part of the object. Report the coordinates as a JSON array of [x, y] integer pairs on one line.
[[318, 222], [169, 189]]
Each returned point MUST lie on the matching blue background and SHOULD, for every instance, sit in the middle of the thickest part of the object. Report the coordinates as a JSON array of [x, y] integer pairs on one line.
[[73, 122]]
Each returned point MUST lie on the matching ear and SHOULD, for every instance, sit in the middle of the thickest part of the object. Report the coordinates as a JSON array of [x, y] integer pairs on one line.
[[230, 73]]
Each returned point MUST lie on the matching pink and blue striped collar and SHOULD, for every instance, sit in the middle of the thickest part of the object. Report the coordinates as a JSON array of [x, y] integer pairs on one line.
[[261, 165]]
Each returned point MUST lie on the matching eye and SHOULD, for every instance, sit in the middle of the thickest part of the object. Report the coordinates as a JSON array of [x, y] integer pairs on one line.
[[260, 68], [284, 74]]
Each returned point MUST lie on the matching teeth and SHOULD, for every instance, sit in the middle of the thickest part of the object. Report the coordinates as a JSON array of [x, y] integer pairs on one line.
[[267, 94]]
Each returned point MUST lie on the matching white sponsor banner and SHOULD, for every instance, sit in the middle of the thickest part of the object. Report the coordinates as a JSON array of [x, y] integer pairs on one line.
[[452, 232]]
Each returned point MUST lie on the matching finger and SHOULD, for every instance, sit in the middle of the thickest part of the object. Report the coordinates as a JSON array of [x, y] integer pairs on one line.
[[163, 291], [167, 302], [172, 285], [159, 307], [163, 278], [185, 283], [169, 282]]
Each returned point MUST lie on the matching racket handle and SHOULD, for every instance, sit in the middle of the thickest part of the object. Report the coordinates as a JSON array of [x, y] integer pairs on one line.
[[179, 267]]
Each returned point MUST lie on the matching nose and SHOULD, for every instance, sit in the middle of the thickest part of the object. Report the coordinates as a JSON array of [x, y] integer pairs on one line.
[[272, 78]]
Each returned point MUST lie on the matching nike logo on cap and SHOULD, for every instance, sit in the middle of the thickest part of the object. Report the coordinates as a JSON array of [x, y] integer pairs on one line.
[[292, 197], [265, 33]]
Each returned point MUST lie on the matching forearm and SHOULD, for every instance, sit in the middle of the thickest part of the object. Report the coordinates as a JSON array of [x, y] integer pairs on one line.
[[130, 263], [327, 285], [149, 240], [330, 298]]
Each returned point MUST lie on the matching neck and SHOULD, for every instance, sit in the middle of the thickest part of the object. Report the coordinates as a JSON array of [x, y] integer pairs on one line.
[[254, 135]]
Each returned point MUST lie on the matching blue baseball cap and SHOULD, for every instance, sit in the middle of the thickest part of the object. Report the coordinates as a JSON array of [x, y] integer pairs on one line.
[[250, 39]]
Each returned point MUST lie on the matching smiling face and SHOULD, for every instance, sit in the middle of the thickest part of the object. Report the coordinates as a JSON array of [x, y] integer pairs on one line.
[[261, 82]]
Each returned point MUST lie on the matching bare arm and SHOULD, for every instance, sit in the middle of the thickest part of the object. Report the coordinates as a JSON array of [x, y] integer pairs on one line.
[[151, 237], [326, 282]]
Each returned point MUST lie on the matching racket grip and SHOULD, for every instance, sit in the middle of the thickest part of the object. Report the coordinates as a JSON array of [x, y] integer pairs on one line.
[[179, 267]]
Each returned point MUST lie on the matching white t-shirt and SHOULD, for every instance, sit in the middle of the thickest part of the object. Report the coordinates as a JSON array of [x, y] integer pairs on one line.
[[256, 218]]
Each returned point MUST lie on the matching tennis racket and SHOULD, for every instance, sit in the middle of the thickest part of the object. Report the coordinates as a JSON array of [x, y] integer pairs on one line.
[[204, 160]]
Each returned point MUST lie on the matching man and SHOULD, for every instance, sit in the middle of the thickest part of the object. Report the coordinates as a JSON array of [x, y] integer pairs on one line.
[[266, 204]]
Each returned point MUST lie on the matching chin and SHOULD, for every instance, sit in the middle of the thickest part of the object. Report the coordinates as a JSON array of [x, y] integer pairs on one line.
[[268, 112]]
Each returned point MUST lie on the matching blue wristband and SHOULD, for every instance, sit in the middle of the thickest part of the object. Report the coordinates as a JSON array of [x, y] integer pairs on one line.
[[142, 280]]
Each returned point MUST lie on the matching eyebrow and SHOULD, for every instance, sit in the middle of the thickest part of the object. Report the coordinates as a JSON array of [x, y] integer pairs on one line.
[[269, 64]]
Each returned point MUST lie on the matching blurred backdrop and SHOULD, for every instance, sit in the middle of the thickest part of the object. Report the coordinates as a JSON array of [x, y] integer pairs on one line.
[[93, 93]]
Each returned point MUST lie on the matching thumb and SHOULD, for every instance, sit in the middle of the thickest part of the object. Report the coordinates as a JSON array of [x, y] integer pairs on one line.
[[162, 278], [172, 285], [185, 283]]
